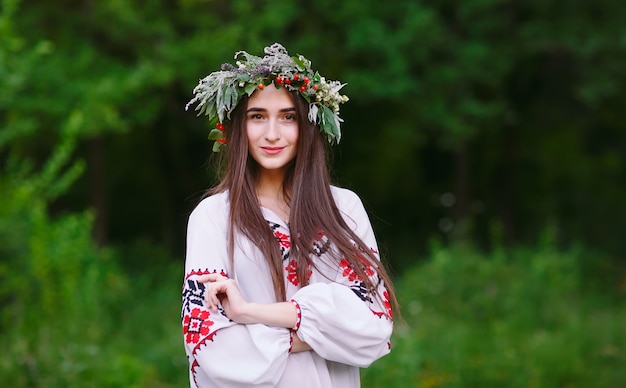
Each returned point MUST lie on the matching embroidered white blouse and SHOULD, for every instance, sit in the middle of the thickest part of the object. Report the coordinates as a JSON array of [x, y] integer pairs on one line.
[[345, 326]]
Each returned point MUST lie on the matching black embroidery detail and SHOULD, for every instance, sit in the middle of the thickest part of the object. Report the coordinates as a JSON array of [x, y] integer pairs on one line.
[[361, 291], [321, 246], [283, 240], [273, 225], [193, 295]]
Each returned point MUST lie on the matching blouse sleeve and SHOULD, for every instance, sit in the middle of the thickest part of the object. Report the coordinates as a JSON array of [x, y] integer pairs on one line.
[[340, 320], [220, 351]]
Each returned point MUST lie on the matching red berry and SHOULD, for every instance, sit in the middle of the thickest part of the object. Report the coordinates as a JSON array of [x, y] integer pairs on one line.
[[296, 76], [220, 126], [288, 81], [222, 140], [302, 88], [315, 87], [306, 80], [261, 86], [279, 80]]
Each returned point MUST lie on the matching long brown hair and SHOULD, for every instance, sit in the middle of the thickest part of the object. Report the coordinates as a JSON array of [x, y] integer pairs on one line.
[[306, 188]]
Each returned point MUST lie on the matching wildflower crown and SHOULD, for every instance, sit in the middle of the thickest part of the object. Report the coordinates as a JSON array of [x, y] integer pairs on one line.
[[218, 94]]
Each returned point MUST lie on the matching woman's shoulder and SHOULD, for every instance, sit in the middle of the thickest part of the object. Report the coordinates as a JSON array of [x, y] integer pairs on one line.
[[213, 205], [345, 199]]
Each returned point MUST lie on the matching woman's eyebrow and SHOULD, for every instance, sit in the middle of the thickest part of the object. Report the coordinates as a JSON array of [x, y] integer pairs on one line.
[[253, 109]]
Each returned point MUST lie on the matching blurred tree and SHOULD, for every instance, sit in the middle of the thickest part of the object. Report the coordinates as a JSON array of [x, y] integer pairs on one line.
[[465, 117], [481, 90]]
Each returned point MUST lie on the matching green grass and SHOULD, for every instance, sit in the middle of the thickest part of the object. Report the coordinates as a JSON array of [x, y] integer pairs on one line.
[[523, 318]]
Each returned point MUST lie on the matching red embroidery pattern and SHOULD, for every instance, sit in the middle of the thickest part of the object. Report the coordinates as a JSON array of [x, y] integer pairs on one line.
[[369, 271], [196, 325], [292, 273], [348, 271], [283, 239], [204, 272], [359, 287], [387, 304], [299, 315], [320, 235]]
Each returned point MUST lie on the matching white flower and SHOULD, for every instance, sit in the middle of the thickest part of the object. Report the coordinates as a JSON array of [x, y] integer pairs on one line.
[[313, 113]]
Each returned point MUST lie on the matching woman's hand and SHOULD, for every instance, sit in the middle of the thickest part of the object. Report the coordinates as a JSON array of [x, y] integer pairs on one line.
[[297, 345], [220, 289]]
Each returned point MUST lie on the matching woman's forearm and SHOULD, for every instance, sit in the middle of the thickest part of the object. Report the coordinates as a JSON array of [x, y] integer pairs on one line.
[[282, 314]]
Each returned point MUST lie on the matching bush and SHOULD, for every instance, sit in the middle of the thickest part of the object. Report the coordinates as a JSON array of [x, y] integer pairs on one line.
[[519, 318], [70, 314]]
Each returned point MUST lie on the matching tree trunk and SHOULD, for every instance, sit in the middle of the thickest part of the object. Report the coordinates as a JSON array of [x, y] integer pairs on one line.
[[461, 189], [508, 184]]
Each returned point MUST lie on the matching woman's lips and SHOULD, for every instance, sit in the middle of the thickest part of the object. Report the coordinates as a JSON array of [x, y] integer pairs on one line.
[[272, 150]]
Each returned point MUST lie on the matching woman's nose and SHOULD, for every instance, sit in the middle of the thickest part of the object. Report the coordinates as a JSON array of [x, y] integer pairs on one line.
[[272, 132]]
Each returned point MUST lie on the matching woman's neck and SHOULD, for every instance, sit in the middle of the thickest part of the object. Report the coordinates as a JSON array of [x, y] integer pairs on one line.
[[271, 195]]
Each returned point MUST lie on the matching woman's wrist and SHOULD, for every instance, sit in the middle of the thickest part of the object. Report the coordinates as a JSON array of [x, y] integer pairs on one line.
[[296, 344], [281, 314]]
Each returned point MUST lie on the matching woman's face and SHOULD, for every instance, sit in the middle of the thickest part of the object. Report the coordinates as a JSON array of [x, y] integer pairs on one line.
[[272, 128]]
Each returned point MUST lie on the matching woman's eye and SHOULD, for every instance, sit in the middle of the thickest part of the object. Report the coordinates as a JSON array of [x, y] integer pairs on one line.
[[290, 117], [256, 116]]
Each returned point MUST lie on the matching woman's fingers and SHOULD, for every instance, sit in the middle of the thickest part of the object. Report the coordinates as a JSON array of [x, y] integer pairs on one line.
[[212, 277], [220, 290], [216, 287], [212, 289], [211, 292]]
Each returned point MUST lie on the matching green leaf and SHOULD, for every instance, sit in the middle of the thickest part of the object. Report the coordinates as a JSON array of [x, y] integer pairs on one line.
[[228, 96], [329, 124], [219, 101], [215, 134], [217, 146], [250, 88], [234, 97], [209, 108], [245, 77], [300, 63]]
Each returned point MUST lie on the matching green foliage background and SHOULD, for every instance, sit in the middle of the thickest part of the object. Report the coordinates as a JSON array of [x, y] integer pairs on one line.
[[486, 137]]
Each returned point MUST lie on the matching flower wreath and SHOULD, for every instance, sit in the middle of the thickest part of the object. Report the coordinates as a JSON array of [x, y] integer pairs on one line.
[[217, 94]]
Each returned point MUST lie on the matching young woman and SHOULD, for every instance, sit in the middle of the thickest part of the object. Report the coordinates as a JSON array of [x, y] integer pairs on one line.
[[283, 285]]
